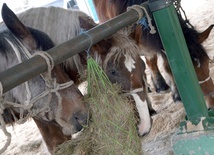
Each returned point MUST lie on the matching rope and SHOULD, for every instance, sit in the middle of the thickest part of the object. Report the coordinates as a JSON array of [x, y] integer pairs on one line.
[[180, 10], [49, 60], [210, 93], [2, 123], [51, 87], [54, 87], [138, 9], [207, 79], [7, 134], [1, 89], [84, 32]]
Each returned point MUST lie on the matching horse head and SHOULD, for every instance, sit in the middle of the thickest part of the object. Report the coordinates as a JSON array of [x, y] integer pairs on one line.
[[119, 57], [151, 45], [51, 106]]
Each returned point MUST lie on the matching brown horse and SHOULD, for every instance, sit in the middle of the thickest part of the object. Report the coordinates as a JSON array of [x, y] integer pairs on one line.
[[151, 45], [58, 112], [118, 54]]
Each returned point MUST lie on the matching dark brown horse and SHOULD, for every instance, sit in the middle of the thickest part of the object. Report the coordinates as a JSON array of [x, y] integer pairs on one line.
[[151, 45], [58, 112], [118, 54]]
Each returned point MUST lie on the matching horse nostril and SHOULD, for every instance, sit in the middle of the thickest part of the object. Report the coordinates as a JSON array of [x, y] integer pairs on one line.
[[81, 120]]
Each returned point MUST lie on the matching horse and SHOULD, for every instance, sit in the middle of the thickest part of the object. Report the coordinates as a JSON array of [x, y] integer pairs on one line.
[[117, 55], [58, 112], [151, 45]]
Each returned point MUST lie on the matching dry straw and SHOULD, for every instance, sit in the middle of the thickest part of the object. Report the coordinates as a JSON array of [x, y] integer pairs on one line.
[[112, 130]]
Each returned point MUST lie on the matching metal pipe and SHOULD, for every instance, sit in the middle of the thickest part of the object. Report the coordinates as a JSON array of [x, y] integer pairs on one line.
[[34, 66]]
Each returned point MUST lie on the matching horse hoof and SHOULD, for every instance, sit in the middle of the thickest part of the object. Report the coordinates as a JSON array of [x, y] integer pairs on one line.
[[164, 88], [149, 90], [152, 112], [144, 128], [176, 98]]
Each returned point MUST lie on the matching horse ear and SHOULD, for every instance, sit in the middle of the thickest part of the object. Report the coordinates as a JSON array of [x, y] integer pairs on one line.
[[137, 34], [86, 22], [18, 28], [103, 47], [204, 35]]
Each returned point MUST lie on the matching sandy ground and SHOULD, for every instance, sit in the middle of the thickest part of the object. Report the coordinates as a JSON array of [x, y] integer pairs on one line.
[[26, 139]]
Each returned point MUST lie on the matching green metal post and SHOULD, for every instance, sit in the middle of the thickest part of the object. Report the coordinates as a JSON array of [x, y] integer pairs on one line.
[[180, 62], [199, 125]]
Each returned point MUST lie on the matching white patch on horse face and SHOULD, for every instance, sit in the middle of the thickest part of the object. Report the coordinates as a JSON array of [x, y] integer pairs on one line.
[[145, 120], [198, 61], [129, 63]]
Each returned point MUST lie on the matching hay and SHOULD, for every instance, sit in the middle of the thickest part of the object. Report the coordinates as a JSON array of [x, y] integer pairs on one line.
[[113, 122]]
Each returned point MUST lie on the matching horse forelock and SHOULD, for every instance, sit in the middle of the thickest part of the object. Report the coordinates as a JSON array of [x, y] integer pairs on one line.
[[8, 45], [122, 46]]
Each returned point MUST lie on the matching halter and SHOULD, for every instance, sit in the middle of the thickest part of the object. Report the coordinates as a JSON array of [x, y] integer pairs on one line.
[[207, 79], [201, 82], [51, 87]]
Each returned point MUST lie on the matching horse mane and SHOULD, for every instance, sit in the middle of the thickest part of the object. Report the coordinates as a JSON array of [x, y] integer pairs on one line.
[[119, 49], [112, 4], [196, 50], [60, 19], [43, 41]]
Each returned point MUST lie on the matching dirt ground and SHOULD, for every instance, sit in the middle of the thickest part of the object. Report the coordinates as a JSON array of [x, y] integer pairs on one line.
[[26, 139]]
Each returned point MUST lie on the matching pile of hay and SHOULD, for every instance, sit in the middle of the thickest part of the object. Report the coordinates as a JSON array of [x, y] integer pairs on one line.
[[113, 128]]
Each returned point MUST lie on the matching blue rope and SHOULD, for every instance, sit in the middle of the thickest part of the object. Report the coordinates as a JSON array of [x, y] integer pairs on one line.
[[144, 23], [85, 32]]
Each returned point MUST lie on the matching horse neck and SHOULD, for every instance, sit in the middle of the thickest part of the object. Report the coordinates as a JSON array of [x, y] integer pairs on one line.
[[51, 133]]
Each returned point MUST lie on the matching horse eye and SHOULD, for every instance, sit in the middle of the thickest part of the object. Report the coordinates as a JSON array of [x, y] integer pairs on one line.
[[113, 72]]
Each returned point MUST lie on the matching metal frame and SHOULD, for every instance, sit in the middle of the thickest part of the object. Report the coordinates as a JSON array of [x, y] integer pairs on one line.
[[196, 133], [177, 53], [22, 72]]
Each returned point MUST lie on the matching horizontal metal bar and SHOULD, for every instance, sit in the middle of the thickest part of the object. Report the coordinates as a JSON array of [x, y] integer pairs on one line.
[[155, 5], [34, 66]]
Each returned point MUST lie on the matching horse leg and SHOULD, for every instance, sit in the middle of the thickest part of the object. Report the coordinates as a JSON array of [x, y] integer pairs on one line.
[[158, 80], [175, 94], [51, 133], [145, 123], [149, 103], [140, 99]]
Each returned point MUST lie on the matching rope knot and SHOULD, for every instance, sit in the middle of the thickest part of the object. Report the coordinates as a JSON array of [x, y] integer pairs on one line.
[[2, 103], [138, 9], [54, 87]]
